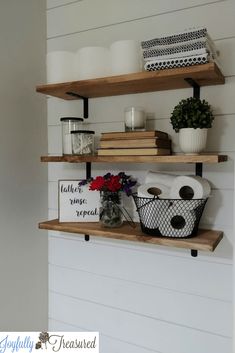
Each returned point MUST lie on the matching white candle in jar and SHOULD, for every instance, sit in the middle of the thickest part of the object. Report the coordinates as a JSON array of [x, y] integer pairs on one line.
[[134, 119]]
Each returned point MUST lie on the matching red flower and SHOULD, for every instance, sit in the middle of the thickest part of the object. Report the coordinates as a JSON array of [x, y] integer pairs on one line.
[[110, 182], [97, 184], [113, 184]]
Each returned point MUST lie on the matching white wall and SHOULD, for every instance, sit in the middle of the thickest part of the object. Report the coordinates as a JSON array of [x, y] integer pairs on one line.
[[23, 180], [144, 298]]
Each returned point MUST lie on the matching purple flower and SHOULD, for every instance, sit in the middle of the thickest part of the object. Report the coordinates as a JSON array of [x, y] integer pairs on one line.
[[127, 187]]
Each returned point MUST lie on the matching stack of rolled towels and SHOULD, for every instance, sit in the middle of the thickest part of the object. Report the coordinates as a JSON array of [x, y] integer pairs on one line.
[[167, 212], [187, 48]]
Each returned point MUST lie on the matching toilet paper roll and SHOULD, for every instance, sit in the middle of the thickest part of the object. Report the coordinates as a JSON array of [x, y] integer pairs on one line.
[[162, 178], [60, 66], [152, 190], [92, 62], [190, 187], [125, 57], [176, 223]]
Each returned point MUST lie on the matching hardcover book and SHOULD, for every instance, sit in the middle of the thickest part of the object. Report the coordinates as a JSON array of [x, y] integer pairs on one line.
[[135, 143], [133, 135], [134, 152]]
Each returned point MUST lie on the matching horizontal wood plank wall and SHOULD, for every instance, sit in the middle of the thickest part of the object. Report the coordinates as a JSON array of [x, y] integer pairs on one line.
[[143, 298]]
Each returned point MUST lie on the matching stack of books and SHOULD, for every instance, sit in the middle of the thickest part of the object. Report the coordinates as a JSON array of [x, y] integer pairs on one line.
[[135, 143]]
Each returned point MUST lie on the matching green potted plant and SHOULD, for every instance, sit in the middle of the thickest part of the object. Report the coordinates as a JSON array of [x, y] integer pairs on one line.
[[192, 117]]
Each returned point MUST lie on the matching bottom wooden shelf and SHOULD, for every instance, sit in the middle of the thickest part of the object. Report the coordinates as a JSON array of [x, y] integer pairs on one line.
[[206, 240]]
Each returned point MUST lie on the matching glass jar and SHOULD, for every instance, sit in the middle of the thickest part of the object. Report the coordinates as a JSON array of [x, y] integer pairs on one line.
[[111, 209], [135, 119], [69, 124], [82, 142]]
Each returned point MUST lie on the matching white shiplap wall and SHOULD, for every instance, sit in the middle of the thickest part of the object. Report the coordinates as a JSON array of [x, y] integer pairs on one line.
[[143, 298]]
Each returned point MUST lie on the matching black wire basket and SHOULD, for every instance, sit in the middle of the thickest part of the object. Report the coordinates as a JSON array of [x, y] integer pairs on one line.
[[174, 218]]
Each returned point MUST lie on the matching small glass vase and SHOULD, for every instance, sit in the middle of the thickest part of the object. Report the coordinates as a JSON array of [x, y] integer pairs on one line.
[[110, 209]]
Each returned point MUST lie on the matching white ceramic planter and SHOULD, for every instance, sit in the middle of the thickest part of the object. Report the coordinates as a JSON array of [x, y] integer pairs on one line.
[[192, 141]]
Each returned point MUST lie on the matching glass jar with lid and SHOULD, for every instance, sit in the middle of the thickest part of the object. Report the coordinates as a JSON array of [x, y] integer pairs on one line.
[[69, 124], [82, 142]]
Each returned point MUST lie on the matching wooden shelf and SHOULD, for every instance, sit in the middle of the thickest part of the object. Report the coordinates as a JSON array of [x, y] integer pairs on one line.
[[202, 158], [206, 240], [203, 75]]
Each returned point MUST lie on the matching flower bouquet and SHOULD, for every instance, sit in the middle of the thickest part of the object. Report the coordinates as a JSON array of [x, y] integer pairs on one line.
[[110, 187]]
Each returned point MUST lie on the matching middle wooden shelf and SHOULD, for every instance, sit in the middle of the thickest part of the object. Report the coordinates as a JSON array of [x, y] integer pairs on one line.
[[201, 158]]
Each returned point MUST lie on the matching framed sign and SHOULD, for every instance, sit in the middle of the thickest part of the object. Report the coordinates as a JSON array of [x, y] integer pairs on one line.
[[77, 203]]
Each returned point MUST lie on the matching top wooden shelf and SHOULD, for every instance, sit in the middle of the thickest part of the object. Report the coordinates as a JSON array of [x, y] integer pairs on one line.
[[204, 75]]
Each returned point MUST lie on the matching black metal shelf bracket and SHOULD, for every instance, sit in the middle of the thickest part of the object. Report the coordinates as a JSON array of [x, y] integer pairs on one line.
[[198, 166], [195, 85], [198, 169], [86, 237], [88, 175], [85, 116], [194, 253], [88, 170], [85, 103]]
